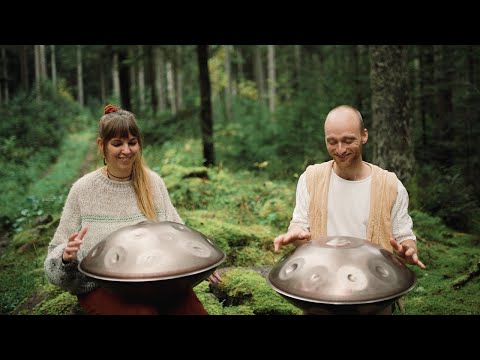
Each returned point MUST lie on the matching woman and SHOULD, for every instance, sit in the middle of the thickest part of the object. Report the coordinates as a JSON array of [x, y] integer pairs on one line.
[[121, 193]]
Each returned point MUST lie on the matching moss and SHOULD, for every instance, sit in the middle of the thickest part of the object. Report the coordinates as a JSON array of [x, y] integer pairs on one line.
[[238, 310], [209, 300], [224, 233], [243, 292], [62, 304], [276, 212], [252, 255], [251, 290]]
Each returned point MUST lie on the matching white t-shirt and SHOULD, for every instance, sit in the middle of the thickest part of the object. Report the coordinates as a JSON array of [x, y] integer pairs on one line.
[[349, 207]]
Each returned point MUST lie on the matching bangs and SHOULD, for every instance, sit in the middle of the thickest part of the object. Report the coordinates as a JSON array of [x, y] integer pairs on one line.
[[120, 128]]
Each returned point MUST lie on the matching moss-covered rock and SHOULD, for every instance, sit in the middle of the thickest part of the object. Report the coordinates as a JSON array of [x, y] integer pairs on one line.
[[208, 299], [63, 304], [49, 300], [248, 288]]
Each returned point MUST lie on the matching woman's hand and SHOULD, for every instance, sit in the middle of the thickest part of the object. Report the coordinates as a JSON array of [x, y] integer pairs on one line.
[[73, 244], [215, 278], [407, 252]]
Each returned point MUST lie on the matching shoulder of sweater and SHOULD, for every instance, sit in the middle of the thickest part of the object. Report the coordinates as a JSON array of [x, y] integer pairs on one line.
[[86, 179], [154, 176]]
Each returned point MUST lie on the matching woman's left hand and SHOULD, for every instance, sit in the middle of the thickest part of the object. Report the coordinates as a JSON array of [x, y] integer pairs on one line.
[[215, 278], [407, 252]]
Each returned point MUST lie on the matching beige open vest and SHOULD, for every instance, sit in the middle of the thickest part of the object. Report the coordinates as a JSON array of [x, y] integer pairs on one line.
[[383, 196]]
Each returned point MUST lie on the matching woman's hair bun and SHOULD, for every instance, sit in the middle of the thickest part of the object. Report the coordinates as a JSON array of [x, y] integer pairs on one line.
[[110, 108]]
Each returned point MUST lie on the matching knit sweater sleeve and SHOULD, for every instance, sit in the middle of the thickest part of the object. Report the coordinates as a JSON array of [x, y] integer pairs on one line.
[[402, 223], [67, 276]]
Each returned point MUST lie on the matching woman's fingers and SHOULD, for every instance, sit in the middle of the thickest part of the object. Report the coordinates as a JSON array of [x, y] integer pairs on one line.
[[74, 242]]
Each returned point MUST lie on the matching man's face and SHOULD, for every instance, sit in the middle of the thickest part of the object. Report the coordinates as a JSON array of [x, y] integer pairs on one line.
[[343, 137]]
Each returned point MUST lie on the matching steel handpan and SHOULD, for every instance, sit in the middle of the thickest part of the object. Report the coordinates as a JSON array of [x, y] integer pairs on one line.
[[152, 257], [341, 275]]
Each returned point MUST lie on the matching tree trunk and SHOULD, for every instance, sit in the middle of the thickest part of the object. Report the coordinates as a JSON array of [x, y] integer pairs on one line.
[[132, 77], [141, 78], [53, 65], [36, 49], [24, 67], [103, 86], [79, 76], [116, 76], [43, 64], [297, 56], [179, 77], [272, 80], [392, 149], [206, 106], [6, 95], [228, 90], [426, 90], [159, 79], [124, 72], [171, 88], [259, 77]]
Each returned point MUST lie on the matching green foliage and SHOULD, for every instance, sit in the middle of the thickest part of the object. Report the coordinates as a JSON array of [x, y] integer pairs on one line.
[[30, 196], [38, 123], [448, 197], [20, 276]]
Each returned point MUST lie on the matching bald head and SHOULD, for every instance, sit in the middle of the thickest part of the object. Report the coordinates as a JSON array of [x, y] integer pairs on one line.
[[345, 113]]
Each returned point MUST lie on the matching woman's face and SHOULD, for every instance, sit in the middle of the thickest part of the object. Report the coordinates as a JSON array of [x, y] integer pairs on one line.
[[120, 154]]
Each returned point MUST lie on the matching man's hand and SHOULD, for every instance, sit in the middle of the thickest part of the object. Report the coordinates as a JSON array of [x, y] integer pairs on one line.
[[291, 236], [407, 252]]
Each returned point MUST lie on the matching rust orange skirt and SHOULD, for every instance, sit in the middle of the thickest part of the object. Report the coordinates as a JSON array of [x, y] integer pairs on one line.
[[103, 301]]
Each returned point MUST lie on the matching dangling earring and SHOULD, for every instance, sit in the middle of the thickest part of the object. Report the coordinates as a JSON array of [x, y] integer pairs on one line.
[[104, 162]]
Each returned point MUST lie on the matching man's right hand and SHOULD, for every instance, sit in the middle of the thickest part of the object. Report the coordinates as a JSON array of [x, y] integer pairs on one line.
[[289, 237]]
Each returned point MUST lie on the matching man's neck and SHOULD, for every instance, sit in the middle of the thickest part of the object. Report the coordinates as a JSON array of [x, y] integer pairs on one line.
[[355, 172]]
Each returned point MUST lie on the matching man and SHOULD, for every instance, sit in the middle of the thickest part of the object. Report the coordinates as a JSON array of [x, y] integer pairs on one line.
[[349, 197]]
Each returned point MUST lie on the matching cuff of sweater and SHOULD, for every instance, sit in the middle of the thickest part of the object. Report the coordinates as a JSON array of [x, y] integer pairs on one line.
[[67, 266]]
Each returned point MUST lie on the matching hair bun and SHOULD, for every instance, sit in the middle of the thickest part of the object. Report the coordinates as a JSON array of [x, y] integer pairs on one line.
[[110, 108]]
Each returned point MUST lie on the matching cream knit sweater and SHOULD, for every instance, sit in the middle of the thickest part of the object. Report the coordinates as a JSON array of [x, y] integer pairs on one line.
[[104, 206]]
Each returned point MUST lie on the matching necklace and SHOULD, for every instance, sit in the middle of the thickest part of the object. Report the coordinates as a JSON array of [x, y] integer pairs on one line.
[[117, 177]]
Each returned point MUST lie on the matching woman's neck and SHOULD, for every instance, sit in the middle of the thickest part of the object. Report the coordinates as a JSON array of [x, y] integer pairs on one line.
[[116, 177]]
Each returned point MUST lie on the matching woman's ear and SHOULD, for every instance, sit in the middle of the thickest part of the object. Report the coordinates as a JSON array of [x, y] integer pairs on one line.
[[100, 145]]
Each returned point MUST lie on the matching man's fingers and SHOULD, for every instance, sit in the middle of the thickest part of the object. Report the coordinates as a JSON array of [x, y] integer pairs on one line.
[[421, 265], [279, 241], [304, 235], [395, 245], [410, 251], [276, 244]]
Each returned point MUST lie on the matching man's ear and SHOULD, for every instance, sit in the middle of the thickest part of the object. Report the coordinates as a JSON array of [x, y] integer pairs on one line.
[[365, 136]]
